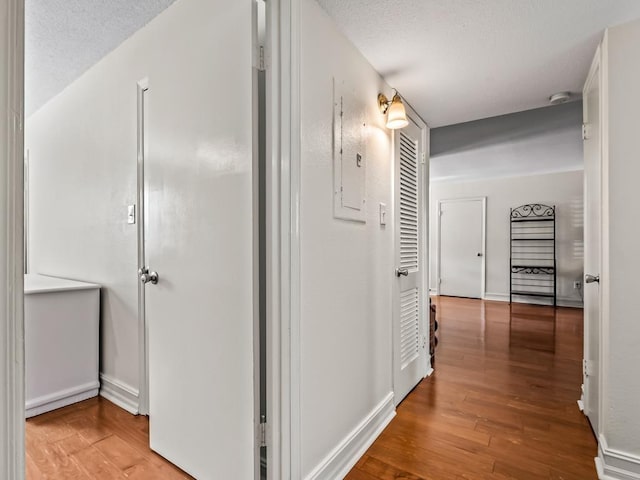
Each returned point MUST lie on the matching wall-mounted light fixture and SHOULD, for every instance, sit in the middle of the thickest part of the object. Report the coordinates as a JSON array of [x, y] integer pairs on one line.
[[394, 109]]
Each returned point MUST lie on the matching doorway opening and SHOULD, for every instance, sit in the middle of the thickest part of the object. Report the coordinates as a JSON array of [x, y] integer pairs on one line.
[[141, 191]]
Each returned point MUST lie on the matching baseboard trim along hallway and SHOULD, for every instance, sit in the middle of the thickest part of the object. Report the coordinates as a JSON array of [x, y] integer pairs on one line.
[[122, 395], [616, 465], [342, 459], [562, 301], [60, 399]]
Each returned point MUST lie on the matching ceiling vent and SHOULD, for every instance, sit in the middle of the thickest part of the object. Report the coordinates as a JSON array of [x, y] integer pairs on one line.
[[558, 98]]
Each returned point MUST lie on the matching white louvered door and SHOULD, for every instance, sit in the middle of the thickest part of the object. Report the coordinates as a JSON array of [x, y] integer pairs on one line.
[[410, 354]]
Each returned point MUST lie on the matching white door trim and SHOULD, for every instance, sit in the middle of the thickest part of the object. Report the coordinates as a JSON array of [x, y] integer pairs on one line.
[[283, 239], [424, 266], [605, 248], [143, 334], [12, 407], [483, 267], [598, 67]]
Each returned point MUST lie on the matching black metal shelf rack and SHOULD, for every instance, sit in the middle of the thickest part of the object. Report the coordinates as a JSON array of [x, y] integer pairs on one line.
[[532, 266]]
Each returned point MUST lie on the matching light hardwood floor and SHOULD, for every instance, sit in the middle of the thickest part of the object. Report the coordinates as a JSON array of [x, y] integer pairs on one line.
[[500, 405], [93, 440]]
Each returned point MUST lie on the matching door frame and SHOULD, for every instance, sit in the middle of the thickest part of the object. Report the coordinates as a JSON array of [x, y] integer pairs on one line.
[[483, 267], [143, 333], [598, 67], [423, 258], [283, 184], [282, 54], [12, 408]]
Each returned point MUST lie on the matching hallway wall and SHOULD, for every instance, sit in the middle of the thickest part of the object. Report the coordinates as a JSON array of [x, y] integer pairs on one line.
[[621, 263], [346, 266]]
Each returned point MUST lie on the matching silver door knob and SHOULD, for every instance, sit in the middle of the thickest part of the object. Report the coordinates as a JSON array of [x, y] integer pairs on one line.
[[150, 277], [591, 278], [402, 271]]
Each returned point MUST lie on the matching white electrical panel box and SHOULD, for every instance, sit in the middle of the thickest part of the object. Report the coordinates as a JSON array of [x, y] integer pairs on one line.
[[349, 152]]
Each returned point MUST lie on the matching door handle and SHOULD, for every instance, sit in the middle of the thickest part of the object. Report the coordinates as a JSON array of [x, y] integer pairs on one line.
[[591, 278], [479, 254], [402, 272], [148, 277]]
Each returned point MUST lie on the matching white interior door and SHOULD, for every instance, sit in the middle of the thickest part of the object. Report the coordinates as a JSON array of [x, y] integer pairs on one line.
[[410, 296], [199, 243], [462, 248], [592, 244]]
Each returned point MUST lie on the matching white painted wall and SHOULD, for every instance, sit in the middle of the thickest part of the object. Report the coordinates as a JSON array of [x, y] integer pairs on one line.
[[561, 189], [346, 267], [82, 147], [533, 142], [621, 419]]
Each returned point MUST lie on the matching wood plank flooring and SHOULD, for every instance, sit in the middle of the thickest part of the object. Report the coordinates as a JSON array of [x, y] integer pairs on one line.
[[93, 440], [500, 405]]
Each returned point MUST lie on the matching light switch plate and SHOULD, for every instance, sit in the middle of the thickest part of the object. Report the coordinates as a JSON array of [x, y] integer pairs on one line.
[[131, 214], [383, 214]]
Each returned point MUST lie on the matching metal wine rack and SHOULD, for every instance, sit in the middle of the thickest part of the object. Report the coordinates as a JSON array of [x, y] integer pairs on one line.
[[533, 252]]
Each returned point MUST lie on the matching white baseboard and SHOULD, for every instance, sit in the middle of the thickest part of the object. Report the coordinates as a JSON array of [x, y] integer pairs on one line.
[[119, 393], [342, 459], [562, 301], [61, 399], [496, 297], [581, 401], [614, 464], [570, 302]]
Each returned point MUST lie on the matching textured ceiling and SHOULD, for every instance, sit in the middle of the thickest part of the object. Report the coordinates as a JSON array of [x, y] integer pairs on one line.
[[462, 60], [65, 37]]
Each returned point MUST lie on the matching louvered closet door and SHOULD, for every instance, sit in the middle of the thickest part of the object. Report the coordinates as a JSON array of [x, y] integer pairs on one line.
[[410, 297]]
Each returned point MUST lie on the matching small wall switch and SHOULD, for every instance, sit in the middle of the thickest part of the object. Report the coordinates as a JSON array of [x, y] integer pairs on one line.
[[131, 214], [383, 214]]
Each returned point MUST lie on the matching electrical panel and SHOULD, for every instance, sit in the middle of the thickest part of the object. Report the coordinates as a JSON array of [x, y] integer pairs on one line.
[[349, 152]]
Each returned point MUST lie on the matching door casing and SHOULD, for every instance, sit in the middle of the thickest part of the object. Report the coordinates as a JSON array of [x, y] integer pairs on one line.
[[12, 407], [143, 340], [594, 337]]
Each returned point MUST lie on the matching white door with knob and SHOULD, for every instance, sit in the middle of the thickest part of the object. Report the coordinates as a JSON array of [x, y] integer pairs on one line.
[[592, 244], [462, 247], [411, 296], [198, 245]]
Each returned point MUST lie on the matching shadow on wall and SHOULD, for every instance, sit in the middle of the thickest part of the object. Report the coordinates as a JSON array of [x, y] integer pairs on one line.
[[505, 129]]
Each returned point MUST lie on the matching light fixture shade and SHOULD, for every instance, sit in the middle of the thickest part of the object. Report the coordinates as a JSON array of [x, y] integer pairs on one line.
[[396, 115]]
